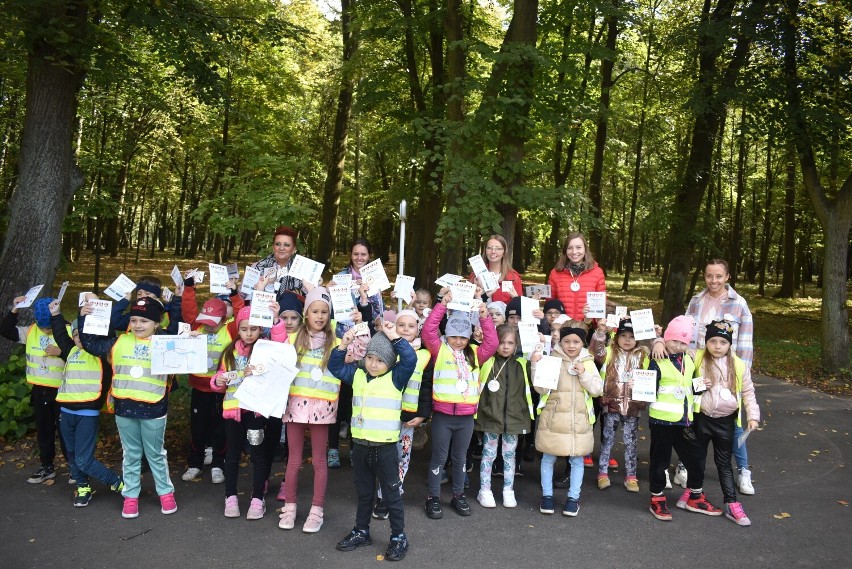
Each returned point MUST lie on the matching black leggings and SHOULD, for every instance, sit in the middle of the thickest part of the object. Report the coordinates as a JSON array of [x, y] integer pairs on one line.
[[664, 438], [235, 434], [721, 433]]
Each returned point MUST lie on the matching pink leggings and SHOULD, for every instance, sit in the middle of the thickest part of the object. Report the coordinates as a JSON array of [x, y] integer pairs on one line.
[[296, 445]]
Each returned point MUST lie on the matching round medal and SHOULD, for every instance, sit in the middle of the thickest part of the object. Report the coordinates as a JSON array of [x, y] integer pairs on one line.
[[493, 385], [575, 286], [726, 394], [678, 392], [316, 374], [136, 372], [461, 386], [572, 371], [210, 363]]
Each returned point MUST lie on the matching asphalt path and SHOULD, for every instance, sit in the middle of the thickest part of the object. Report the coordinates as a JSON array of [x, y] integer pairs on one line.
[[799, 515]]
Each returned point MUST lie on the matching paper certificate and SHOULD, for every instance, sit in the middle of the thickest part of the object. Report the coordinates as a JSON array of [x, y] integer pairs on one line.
[[645, 385], [507, 287], [486, 277], [621, 311], [547, 372], [463, 292], [218, 279], [597, 304], [612, 321], [543, 291], [529, 336], [260, 314], [62, 290], [97, 322], [341, 279], [233, 272], [404, 288], [373, 273], [120, 287], [306, 269], [177, 278], [448, 280], [30, 297], [178, 354], [643, 324], [528, 305], [250, 278], [267, 390], [341, 301]]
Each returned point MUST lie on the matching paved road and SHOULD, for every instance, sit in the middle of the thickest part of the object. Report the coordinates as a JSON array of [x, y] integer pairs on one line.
[[801, 467]]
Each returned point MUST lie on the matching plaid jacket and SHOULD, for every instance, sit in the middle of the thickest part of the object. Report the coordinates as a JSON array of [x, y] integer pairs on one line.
[[735, 310]]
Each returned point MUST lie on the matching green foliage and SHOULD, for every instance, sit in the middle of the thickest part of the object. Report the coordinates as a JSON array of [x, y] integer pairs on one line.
[[16, 414]]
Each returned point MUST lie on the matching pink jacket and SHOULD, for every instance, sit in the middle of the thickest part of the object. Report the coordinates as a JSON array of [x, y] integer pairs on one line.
[[590, 280], [278, 333], [431, 337]]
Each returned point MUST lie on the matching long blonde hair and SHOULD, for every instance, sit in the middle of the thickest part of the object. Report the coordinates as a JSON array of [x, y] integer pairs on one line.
[[302, 342], [708, 365], [505, 263]]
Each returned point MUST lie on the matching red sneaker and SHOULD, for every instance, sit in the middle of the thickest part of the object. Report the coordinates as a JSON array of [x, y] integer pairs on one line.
[[613, 463], [702, 506], [660, 509], [587, 461]]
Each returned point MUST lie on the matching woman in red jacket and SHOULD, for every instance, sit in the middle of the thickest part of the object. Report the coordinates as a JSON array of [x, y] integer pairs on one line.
[[575, 274], [494, 253]]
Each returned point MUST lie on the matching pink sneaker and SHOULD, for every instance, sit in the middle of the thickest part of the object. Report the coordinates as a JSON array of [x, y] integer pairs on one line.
[[256, 509], [131, 508], [684, 498], [734, 512], [314, 521], [281, 497], [232, 507], [168, 504], [287, 519]]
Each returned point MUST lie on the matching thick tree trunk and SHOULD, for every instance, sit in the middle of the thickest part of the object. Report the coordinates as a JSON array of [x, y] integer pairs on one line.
[[334, 175], [788, 286], [736, 234], [767, 217]]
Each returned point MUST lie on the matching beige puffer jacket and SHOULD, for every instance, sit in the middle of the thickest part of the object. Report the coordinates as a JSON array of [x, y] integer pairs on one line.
[[563, 425]]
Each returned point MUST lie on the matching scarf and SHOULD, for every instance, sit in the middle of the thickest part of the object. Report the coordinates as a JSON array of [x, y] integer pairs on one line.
[[576, 269]]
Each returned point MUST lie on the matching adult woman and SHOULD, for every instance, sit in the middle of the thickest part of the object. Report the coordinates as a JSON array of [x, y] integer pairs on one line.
[[494, 254], [575, 274], [281, 258], [719, 301]]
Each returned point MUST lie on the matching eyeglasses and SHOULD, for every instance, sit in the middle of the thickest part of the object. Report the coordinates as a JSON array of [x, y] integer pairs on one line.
[[494, 249]]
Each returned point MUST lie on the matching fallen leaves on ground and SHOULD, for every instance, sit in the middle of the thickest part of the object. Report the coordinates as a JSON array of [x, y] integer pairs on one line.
[[781, 516]]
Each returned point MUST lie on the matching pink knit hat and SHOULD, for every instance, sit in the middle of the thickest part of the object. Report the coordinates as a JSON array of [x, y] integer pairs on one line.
[[680, 329], [320, 293], [410, 314], [243, 314]]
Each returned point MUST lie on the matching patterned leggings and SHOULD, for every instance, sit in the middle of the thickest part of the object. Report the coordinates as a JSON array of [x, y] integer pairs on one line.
[[630, 427], [489, 453]]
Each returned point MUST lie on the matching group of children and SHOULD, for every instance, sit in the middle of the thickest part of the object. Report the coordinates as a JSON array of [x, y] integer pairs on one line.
[[463, 372]]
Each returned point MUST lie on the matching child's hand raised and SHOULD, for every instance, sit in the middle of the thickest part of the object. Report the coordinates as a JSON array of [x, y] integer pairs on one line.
[[389, 328], [54, 308], [448, 298], [483, 310], [275, 308], [15, 301], [347, 339]]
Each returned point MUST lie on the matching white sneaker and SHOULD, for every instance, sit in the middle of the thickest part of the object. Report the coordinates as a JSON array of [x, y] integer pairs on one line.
[[208, 456], [744, 484], [680, 476], [668, 479], [217, 476], [486, 499], [509, 499], [191, 474]]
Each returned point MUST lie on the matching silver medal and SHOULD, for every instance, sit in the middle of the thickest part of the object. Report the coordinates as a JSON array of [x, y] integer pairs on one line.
[[210, 363], [679, 393], [136, 372], [726, 394], [493, 385], [316, 374], [461, 386], [575, 286]]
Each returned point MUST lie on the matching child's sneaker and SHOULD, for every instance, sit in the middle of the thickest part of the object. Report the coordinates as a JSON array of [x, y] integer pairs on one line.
[[681, 476], [130, 508], [217, 476], [433, 508], [314, 521], [42, 474], [83, 496], [333, 458], [287, 519], [546, 505], [486, 499], [356, 538], [509, 500], [397, 548], [603, 482], [587, 461], [381, 511], [700, 505], [256, 509], [232, 507], [613, 463], [734, 512], [744, 484], [459, 503], [168, 504], [631, 483], [190, 474], [572, 507], [660, 509], [118, 486]]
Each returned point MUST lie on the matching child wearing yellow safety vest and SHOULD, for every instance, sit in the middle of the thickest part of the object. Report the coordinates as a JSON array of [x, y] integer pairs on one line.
[[567, 417], [378, 387], [728, 388], [44, 374], [141, 399], [83, 392], [241, 424], [670, 419], [505, 409], [456, 387]]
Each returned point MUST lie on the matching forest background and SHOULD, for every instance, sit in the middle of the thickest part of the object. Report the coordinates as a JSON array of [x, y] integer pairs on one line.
[[669, 132]]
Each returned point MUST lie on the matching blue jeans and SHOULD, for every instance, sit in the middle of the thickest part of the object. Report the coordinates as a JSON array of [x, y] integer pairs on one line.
[[740, 451], [80, 433], [576, 480], [138, 436]]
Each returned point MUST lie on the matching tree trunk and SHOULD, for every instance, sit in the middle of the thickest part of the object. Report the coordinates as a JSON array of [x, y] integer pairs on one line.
[[334, 175], [736, 234], [767, 216]]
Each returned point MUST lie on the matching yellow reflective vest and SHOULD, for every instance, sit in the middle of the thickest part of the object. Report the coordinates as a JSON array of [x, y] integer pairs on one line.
[[43, 369], [447, 387], [739, 371], [312, 380], [132, 377], [673, 390], [411, 395], [83, 378], [376, 407]]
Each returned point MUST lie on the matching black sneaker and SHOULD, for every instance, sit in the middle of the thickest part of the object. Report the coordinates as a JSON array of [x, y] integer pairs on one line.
[[397, 548], [572, 507], [461, 506], [546, 505], [563, 481], [433, 508], [380, 511], [356, 538], [83, 496], [42, 474]]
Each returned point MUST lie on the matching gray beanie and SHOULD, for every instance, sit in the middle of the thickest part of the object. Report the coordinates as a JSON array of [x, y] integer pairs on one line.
[[382, 348], [458, 324]]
